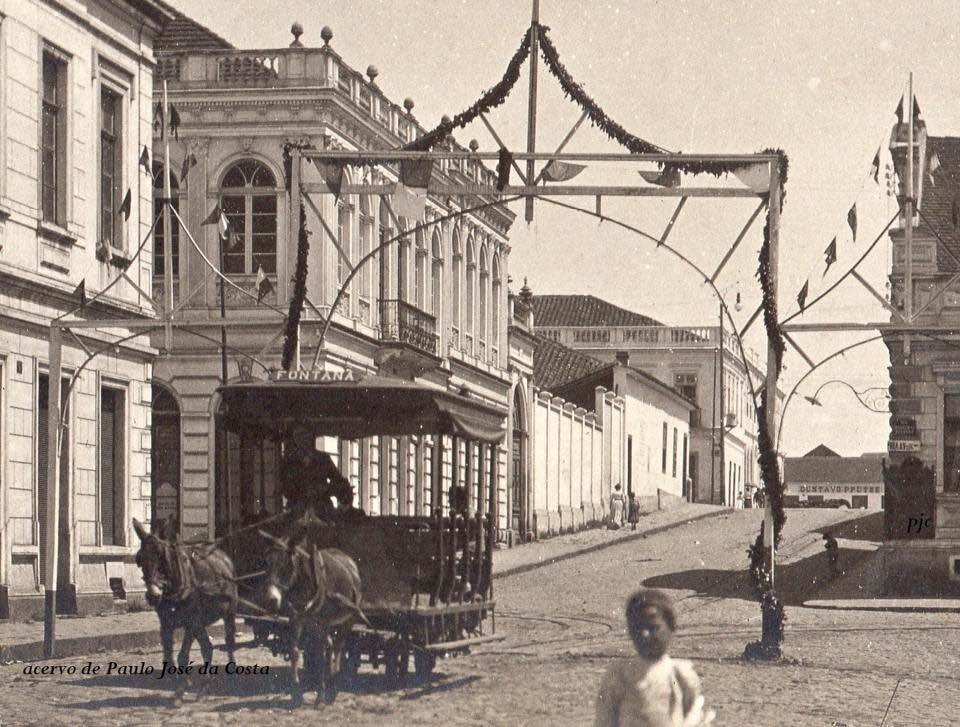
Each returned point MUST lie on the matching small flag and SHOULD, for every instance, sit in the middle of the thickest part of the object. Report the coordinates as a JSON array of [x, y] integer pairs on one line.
[[852, 220], [264, 286], [830, 254], [145, 159], [158, 119], [174, 123], [212, 218], [125, 206], [932, 166], [504, 162], [332, 174], [80, 293], [875, 167], [557, 171], [189, 162], [802, 295], [667, 177], [219, 218]]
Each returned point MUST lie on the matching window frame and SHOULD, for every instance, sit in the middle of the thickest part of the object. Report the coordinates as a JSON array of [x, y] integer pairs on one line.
[[61, 187], [120, 503], [249, 192], [116, 238]]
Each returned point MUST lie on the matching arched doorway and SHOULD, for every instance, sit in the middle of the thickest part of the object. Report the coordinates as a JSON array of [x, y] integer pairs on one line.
[[165, 455], [518, 514]]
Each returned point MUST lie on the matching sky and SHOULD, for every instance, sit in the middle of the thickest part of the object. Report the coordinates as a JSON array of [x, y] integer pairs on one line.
[[818, 79]]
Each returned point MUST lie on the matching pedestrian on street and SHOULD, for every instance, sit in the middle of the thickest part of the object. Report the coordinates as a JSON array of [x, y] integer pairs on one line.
[[832, 547], [633, 514], [651, 689], [616, 508]]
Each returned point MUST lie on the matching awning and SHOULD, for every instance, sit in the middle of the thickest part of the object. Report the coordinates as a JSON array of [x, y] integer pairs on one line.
[[353, 409]]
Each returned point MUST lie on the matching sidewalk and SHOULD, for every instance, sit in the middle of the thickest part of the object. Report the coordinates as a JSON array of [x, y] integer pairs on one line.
[[23, 641]]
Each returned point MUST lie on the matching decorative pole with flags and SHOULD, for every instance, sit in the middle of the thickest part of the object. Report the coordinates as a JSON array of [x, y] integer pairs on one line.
[[532, 106], [167, 227], [908, 218], [223, 303]]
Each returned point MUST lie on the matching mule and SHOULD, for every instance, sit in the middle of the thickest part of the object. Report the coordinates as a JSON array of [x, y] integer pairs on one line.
[[190, 588], [319, 592]]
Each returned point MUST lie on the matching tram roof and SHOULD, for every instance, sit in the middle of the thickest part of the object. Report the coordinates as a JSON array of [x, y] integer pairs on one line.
[[352, 409]]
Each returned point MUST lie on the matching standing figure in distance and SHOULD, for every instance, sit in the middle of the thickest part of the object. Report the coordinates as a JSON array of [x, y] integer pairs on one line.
[[832, 547], [616, 508], [633, 511]]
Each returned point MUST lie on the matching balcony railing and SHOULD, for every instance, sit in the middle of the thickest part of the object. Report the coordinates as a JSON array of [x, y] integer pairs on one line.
[[401, 322]]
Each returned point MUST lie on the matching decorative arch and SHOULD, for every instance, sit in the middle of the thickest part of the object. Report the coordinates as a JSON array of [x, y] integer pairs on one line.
[[366, 242], [420, 271], [436, 277], [483, 293], [496, 308], [386, 255], [519, 452], [456, 293]]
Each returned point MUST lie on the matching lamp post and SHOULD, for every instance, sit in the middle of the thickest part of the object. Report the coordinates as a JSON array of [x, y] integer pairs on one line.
[[870, 401]]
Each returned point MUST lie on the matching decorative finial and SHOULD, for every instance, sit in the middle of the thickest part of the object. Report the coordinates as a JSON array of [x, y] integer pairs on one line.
[[526, 295], [372, 72], [408, 104], [474, 145], [326, 33], [296, 30]]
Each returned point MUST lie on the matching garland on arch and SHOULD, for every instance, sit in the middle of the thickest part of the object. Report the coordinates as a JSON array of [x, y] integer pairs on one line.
[[490, 99], [292, 330]]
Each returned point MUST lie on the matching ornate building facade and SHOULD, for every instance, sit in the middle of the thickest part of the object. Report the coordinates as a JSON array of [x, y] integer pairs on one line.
[[441, 291], [76, 86]]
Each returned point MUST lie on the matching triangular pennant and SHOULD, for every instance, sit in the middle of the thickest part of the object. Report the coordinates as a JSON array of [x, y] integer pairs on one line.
[[875, 167], [125, 206], [145, 159], [557, 171], [264, 286], [332, 175], [504, 162], [899, 111], [830, 254], [754, 176], [416, 172], [852, 220], [916, 110], [669, 176], [158, 127], [189, 162], [409, 202], [174, 123], [212, 218], [802, 295], [80, 293]]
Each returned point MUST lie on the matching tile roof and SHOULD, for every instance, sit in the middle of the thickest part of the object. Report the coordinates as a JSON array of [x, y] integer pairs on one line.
[[555, 364], [821, 450], [833, 469], [186, 34], [583, 310], [941, 197]]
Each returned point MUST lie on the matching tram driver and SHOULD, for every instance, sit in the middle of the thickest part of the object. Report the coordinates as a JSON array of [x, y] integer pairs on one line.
[[310, 478]]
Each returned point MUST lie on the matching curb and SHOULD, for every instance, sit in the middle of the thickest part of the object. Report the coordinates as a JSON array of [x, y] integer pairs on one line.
[[878, 605], [517, 570], [83, 645]]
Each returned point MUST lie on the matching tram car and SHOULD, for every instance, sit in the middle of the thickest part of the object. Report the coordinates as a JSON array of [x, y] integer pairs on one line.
[[426, 576]]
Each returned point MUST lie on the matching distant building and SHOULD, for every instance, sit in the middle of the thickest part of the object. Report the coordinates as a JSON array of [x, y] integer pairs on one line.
[[823, 475], [703, 363]]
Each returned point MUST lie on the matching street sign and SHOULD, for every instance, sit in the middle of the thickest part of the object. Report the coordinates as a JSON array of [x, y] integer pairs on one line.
[[904, 445]]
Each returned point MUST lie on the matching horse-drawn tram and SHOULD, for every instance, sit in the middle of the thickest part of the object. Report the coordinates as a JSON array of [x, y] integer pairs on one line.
[[320, 576]]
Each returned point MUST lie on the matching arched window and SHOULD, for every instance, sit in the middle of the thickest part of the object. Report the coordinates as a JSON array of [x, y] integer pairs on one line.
[[420, 272], [345, 233], [456, 278], [249, 200], [470, 283], [159, 234], [495, 309], [436, 277], [366, 245], [403, 262], [483, 287]]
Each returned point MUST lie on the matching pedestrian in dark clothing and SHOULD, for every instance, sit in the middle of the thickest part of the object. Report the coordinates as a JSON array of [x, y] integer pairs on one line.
[[633, 514], [832, 547]]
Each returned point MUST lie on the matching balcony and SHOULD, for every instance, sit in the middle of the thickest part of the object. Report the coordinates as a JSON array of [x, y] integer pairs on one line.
[[408, 339], [646, 337]]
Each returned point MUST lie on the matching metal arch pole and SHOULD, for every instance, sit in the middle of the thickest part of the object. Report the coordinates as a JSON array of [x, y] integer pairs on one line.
[[908, 229], [532, 106], [52, 515], [770, 388], [295, 192], [167, 226]]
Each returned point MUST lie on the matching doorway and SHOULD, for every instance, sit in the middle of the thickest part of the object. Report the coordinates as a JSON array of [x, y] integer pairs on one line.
[[518, 510], [165, 456]]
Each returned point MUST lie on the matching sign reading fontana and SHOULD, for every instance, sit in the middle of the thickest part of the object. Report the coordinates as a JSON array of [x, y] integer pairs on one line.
[[316, 375]]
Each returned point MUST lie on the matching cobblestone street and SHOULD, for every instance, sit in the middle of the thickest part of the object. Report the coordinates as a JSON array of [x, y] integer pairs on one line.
[[563, 624]]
